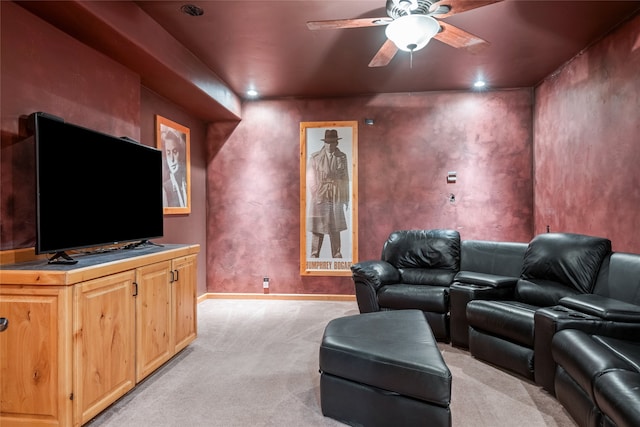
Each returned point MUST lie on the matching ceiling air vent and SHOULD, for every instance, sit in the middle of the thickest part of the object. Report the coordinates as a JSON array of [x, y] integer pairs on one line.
[[191, 9]]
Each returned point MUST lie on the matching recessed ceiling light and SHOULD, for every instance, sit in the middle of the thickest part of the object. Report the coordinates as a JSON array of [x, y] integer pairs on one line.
[[479, 84], [252, 93]]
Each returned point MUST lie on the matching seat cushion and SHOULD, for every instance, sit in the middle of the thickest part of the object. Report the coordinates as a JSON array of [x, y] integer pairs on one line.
[[542, 293], [390, 350], [510, 320], [420, 297]]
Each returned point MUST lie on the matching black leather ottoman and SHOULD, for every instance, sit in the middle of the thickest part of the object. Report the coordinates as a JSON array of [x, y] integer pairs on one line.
[[384, 368]]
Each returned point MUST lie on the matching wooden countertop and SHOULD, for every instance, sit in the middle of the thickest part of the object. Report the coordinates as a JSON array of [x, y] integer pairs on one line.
[[90, 265]]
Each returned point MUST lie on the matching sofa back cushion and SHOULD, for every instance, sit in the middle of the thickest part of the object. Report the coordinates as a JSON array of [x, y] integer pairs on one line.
[[488, 257], [572, 260], [620, 278], [423, 249]]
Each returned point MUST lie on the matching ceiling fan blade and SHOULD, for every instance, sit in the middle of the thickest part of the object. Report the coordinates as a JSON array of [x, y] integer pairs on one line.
[[384, 55], [454, 36], [348, 23], [451, 7]]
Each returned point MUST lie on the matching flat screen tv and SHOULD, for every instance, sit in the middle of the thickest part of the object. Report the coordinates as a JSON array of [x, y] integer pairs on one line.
[[93, 189]]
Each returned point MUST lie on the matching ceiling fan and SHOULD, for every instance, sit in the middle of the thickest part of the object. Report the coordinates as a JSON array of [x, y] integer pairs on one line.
[[411, 24]]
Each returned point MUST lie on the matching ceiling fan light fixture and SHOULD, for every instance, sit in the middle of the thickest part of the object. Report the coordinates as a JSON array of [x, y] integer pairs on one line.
[[412, 32]]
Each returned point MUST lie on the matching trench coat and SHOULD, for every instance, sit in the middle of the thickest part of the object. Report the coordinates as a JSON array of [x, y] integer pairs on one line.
[[328, 181]]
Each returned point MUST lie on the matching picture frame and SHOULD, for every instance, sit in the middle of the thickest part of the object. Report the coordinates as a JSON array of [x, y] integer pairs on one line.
[[328, 197], [174, 140]]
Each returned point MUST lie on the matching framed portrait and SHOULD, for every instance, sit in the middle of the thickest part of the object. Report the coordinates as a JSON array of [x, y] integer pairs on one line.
[[328, 198], [174, 141]]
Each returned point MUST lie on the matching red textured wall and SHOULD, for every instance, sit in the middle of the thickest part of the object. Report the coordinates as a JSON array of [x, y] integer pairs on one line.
[[587, 143], [246, 186], [182, 228], [44, 69], [254, 183]]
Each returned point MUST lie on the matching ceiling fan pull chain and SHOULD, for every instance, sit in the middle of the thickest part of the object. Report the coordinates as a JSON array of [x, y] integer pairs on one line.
[[411, 59]]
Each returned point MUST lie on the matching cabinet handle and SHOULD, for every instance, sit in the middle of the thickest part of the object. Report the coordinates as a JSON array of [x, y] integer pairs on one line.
[[135, 289], [173, 277], [4, 323], [176, 275]]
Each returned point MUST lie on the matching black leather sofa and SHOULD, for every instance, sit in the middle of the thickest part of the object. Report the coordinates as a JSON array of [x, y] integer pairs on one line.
[[488, 270], [510, 304], [592, 343], [598, 378], [434, 271], [612, 309], [555, 265]]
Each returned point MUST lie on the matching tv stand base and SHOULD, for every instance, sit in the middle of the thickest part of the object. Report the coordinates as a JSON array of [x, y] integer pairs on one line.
[[142, 243], [62, 258]]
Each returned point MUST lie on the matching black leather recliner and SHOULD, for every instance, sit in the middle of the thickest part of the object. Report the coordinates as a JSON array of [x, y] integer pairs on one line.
[[612, 309], [555, 265], [598, 378], [488, 270], [415, 271]]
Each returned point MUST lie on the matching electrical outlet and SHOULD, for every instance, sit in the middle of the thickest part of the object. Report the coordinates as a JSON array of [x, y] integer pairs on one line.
[[265, 284]]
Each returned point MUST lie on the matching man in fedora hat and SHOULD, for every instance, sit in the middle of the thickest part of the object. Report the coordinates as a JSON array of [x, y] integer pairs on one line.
[[329, 184]]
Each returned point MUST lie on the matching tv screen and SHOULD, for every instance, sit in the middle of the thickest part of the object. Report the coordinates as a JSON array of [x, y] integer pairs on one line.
[[93, 189]]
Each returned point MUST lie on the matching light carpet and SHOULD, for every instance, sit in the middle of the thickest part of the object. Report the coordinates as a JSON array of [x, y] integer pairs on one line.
[[255, 362]]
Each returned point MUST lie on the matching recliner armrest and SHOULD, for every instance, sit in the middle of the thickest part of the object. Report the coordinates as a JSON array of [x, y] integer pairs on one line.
[[484, 279], [375, 273], [603, 307]]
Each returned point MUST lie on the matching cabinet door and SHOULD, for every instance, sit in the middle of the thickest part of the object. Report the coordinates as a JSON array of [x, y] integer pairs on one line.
[[104, 342], [184, 301], [153, 318], [35, 356]]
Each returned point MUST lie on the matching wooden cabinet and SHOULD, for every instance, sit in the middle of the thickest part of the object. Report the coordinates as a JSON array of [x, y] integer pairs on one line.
[[104, 345], [183, 296], [35, 377], [165, 312], [153, 318], [80, 337]]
